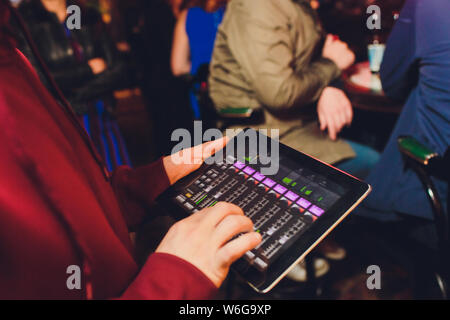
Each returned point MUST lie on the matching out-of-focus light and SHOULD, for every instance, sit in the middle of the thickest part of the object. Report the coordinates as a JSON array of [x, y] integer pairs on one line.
[[15, 3]]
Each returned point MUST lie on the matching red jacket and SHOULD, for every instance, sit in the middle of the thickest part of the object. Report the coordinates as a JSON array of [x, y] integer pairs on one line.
[[57, 209]]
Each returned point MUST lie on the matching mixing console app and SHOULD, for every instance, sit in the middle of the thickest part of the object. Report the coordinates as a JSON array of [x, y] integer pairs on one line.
[[282, 206]]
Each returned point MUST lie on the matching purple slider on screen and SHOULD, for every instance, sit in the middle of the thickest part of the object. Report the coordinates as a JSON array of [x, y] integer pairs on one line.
[[316, 211], [303, 203], [280, 189], [239, 165], [291, 196], [259, 176], [269, 182], [249, 170]]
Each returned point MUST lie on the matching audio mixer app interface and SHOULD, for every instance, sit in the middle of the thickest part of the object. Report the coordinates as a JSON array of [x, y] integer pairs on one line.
[[282, 206]]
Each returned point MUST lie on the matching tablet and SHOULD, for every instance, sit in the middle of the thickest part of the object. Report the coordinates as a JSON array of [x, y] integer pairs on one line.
[[293, 200]]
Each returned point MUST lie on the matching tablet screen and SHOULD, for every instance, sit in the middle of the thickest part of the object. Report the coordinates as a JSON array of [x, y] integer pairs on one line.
[[283, 206]]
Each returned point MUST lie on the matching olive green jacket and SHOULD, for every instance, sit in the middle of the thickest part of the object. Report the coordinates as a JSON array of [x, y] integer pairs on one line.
[[268, 54]]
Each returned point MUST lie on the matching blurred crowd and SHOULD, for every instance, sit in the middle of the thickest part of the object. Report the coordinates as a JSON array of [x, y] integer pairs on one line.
[[142, 35]]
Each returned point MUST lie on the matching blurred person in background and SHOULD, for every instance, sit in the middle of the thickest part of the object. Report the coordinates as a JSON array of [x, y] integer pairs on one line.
[[193, 40], [86, 66], [348, 19], [273, 55], [167, 96], [416, 70]]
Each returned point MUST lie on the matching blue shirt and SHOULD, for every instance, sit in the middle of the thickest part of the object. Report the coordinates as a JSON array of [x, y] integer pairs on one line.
[[201, 28], [416, 68]]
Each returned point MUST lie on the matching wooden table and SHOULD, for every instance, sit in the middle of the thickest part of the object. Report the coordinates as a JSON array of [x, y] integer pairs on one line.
[[365, 92]]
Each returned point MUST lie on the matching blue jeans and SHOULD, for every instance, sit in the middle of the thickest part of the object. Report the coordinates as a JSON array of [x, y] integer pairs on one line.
[[359, 166]]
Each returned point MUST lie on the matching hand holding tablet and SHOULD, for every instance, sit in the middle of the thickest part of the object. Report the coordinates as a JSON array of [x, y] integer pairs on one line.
[[203, 239], [293, 209]]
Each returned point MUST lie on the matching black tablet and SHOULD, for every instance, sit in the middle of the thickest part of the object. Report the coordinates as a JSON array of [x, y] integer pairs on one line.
[[293, 200]]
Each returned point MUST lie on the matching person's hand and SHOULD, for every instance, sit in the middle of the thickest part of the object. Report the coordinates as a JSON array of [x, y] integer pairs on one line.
[[98, 65], [180, 164], [203, 239], [338, 52], [334, 111]]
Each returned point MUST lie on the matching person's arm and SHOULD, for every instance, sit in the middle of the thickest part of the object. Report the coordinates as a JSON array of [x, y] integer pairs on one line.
[[137, 189], [113, 77], [167, 277], [180, 62], [195, 256], [185, 266], [398, 74], [67, 77], [71, 76], [260, 41]]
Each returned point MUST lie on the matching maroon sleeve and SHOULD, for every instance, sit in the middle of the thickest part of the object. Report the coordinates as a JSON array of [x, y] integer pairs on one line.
[[163, 276], [167, 277], [137, 189]]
